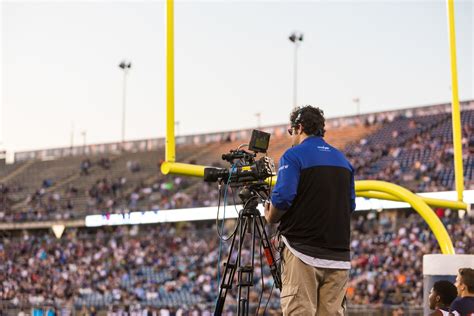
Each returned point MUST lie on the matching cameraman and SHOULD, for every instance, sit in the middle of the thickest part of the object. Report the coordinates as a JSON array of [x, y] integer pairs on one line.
[[313, 200]]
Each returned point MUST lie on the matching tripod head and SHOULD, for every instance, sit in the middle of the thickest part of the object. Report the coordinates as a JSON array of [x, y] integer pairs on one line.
[[254, 193]]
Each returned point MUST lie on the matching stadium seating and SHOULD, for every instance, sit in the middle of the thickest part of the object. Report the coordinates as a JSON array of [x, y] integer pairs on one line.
[[407, 149], [44, 187], [175, 265]]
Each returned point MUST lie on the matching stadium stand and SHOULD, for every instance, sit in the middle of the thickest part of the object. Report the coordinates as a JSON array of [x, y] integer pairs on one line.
[[415, 152], [402, 147], [63, 189], [173, 266]]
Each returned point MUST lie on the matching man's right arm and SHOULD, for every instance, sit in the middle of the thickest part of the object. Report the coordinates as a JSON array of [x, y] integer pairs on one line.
[[287, 182]]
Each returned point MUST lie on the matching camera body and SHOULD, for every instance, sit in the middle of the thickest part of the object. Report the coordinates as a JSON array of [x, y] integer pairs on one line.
[[245, 167]]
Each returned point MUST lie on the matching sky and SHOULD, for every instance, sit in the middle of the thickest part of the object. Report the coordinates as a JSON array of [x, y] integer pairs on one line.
[[61, 84]]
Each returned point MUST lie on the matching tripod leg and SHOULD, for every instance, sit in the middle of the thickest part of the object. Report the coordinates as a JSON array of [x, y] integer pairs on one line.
[[268, 252], [243, 272], [227, 276], [246, 271], [247, 219], [231, 266]]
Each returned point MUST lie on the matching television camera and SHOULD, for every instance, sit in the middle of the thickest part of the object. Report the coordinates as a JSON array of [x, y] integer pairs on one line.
[[245, 167], [250, 174]]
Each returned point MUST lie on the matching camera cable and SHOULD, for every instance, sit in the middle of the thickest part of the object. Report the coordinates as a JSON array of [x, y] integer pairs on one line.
[[274, 250], [220, 232]]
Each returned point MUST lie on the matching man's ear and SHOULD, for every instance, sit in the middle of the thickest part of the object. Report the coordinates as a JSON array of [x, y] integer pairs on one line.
[[300, 129]]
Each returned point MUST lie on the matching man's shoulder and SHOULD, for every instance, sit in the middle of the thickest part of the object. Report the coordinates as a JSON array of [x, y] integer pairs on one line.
[[441, 312], [315, 149], [463, 300], [463, 304], [292, 152], [338, 155]]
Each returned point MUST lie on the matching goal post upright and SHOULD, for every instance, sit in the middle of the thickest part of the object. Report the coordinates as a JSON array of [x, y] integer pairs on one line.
[[456, 111]]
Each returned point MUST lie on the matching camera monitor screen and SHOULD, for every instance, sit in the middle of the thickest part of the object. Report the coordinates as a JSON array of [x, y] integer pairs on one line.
[[259, 141]]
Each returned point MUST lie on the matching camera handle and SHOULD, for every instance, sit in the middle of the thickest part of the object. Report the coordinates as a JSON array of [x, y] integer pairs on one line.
[[249, 218]]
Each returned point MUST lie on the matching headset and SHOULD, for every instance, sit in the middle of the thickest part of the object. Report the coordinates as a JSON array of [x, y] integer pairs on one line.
[[299, 121]]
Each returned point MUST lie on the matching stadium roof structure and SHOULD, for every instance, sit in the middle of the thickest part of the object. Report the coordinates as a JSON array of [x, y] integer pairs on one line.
[[365, 188]]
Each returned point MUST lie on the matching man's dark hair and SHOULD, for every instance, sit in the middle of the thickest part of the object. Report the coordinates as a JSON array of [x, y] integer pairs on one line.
[[446, 291], [310, 118], [467, 278]]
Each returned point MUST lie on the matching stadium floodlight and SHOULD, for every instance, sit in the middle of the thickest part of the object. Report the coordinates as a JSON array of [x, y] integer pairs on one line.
[[296, 38], [125, 66]]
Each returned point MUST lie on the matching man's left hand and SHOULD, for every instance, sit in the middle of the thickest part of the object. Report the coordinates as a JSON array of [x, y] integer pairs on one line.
[[272, 214]]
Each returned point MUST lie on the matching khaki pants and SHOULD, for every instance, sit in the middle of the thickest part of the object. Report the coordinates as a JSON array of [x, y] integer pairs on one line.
[[311, 291]]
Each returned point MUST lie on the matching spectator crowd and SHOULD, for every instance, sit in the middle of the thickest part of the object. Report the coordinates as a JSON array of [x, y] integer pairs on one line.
[[175, 265]]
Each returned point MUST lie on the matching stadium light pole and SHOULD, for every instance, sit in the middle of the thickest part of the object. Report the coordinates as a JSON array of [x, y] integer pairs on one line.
[[296, 38], [125, 66], [357, 103], [259, 117], [176, 123], [84, 144], [72, 136]]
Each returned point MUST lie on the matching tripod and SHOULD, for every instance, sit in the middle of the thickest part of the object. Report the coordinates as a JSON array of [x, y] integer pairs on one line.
[[249, 220]]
